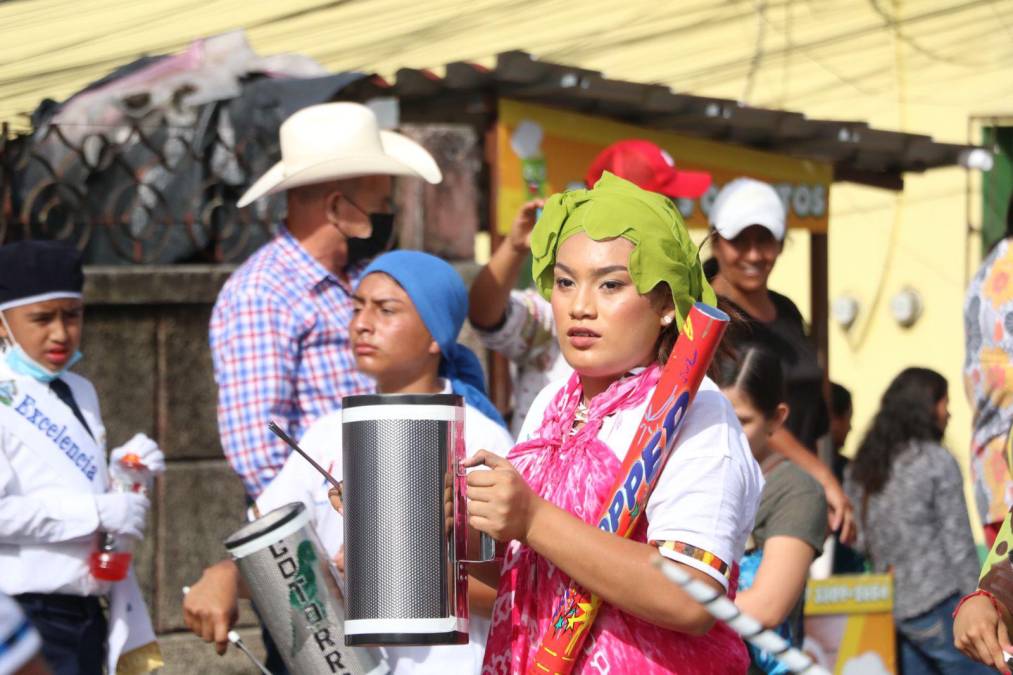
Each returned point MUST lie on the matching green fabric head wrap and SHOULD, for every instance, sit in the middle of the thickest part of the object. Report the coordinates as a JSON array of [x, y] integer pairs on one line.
[[614, 208]]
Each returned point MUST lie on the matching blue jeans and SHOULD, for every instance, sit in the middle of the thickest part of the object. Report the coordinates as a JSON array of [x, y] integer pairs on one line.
[[926, 644]]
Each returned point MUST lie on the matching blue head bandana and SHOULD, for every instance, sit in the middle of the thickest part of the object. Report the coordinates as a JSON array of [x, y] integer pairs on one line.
[[441, 300]]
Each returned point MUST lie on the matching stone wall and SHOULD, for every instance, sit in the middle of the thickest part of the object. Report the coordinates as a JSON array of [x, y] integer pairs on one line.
[[146, 351]]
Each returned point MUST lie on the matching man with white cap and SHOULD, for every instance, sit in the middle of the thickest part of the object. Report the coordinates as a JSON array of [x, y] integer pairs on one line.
[[279, 330], [749, 224]]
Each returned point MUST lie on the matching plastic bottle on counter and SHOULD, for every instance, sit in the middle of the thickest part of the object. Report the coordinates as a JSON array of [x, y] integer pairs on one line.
[[112, 561]]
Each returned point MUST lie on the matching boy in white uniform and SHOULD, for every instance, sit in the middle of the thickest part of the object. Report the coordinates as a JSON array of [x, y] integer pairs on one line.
[[409, 308], [54, 483]]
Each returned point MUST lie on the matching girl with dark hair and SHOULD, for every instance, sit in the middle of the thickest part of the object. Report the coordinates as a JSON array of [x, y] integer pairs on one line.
[[791, 520], [913, 519]]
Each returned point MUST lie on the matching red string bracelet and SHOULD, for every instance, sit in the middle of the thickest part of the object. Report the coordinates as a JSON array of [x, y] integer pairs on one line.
[[980, 591]]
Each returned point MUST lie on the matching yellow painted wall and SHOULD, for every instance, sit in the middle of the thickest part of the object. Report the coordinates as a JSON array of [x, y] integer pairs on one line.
[[871, 263], [921, 66]]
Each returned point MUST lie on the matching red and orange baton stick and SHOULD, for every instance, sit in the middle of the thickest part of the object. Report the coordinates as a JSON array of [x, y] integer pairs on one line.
[[650, 449]]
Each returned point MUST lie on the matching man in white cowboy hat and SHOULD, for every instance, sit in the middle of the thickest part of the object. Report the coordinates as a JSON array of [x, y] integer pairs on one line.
[[279, 330]]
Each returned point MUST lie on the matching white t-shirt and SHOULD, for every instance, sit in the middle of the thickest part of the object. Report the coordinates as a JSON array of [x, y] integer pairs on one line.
[[709, 490], [298, 481]]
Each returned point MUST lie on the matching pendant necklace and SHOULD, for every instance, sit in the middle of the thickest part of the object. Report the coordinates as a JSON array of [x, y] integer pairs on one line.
[[580, 416]]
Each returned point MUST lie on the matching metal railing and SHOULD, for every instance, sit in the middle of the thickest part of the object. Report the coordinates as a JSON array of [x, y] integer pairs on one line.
[[139, 193]]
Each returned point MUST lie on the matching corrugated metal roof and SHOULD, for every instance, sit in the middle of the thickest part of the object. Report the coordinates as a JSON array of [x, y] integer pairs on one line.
[[857, 152]]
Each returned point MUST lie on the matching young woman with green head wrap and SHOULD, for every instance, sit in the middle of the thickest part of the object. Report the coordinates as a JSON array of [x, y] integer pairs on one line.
[[621, 274]]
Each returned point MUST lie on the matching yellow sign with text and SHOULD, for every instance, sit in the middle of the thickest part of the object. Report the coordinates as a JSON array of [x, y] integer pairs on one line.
[[849, 594], [542, 150], [849, 626]]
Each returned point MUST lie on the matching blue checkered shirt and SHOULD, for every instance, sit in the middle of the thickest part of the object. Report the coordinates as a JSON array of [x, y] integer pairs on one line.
[[279, 341]]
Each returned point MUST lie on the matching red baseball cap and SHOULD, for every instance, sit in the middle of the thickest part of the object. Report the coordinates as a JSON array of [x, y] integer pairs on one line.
[[650, 167]]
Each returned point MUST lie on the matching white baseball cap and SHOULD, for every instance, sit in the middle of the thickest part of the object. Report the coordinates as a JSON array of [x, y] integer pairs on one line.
[[744, 202]]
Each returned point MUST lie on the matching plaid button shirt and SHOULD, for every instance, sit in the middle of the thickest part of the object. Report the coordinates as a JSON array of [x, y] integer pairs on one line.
[[279, 341]]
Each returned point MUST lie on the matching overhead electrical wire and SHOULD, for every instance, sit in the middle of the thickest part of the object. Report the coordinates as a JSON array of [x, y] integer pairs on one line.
[[728, 68], [382, 39], [865, 82], [754, 62], [1002, 21], [786, 63], [896, 26], [115, 30], [857, 336], [678, 32], [879, 82]]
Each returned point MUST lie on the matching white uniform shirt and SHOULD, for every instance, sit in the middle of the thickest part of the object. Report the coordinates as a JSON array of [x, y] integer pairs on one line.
[[47, 530], [298, 481], [19, 641], [709, 490]]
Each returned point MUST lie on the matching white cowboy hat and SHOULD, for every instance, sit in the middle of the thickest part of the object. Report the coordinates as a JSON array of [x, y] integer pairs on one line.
[[340, 140]]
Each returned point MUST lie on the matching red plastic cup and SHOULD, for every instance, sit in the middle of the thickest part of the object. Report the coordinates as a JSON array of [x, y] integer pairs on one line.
[[110, 565]]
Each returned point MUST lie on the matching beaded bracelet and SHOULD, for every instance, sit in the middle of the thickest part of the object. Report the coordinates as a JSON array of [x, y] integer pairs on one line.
[[980, 591]]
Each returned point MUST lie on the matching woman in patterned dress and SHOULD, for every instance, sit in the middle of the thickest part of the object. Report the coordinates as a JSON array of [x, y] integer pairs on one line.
[[988, 380]]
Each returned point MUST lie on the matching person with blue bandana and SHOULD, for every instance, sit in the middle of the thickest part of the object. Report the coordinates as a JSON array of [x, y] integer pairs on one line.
[[408, 309], [56, 507]]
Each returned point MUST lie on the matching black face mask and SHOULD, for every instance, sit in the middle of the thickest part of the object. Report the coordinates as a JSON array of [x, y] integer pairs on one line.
[[381, 239]]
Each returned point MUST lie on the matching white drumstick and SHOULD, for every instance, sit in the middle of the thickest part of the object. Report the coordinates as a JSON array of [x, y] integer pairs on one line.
[[238, 642], [723, 609]]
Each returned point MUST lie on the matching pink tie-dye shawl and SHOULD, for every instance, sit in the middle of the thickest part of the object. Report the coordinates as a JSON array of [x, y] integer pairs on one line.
[[575, 473]]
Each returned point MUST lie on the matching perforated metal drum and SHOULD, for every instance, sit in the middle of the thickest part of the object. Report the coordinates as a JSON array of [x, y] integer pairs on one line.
[[293, 585], [404, 519]]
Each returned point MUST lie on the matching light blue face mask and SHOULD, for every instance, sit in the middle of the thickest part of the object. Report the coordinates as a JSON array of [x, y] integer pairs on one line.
[[23, 364]]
